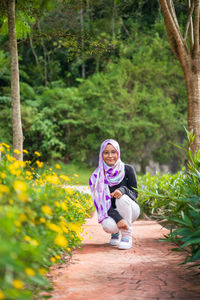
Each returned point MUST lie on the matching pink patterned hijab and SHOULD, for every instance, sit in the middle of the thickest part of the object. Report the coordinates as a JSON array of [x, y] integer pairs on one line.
[[103, 177]]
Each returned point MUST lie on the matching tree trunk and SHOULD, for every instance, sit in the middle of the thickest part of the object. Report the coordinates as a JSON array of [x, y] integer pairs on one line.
[[15, 91], [192, 79], [113, 20], [45, 56], [189, 58], [82, 41]]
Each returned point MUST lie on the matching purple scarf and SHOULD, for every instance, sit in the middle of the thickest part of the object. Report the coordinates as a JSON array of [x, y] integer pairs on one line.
[[103, 177]]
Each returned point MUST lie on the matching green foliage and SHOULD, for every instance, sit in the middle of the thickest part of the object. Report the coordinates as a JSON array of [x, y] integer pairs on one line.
[[176, 199], [40, 223], [133, 90], [123, 102], [4, 68], [22, 25]]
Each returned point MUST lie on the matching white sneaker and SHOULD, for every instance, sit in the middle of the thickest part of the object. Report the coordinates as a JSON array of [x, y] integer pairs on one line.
[[114, 241], [125, 243]]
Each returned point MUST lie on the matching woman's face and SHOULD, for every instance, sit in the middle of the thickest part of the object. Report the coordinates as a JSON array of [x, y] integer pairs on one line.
[[110, 155]]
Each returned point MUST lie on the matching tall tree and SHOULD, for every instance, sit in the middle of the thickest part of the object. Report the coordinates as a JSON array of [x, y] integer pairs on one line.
[[15, 91], [185, 46], [8, 12]]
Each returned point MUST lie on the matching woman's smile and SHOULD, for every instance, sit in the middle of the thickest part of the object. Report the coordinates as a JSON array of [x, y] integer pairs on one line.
[[110, 155]]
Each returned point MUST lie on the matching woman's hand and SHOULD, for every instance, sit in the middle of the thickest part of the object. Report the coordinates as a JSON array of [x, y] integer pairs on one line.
[[116, 194], [122, 224]]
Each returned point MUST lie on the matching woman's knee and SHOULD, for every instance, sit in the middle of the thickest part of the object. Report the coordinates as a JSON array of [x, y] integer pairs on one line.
[[125, 204], [123, 201], [109, 225], [136, 211]]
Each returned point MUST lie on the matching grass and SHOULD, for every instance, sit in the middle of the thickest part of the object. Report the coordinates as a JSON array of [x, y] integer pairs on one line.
[[79, 174]]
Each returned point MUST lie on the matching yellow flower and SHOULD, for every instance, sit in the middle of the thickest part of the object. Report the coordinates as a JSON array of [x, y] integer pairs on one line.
[[5, 145], [52, 259], [58, 166], [2, 149], [34, 242], [42, 271], [2, 296], [76, 175], [28, 173], [11, 201], [40, 181], [17, 223], [10, 158], [42, 220], [37, 153], [15, 172], [22, 217], [29, 272], [73, 226], [39, 163], [64, 206], [27, 238], [4, 189], [57, 256], [63, 226], [65, 178], [69, 191], [2, 175], [25, 151], [61, 241], [18, 284], [23, 197], [20, 186], [54, 227], [57, 203], [53, 179], [46, 210], [17, 151]]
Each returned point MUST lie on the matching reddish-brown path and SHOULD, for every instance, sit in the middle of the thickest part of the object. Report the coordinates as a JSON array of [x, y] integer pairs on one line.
[[147, 271]]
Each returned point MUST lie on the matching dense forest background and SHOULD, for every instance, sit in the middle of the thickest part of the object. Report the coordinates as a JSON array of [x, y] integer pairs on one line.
[[92, 70]]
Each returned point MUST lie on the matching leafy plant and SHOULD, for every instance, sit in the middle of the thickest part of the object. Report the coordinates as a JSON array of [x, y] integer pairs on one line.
[[40, 223], [175, 201]]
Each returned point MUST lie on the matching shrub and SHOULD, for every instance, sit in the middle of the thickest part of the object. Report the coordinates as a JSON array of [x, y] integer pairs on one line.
[[176, 200], [40, 219]]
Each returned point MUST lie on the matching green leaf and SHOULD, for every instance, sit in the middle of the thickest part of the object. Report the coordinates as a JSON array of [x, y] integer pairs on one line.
[[177, 250], [178, 221], [195, 256], [186, 219], [182, 231], [191, 242]]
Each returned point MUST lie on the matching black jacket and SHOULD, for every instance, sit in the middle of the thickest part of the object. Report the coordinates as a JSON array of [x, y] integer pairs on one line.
[[126, 187]]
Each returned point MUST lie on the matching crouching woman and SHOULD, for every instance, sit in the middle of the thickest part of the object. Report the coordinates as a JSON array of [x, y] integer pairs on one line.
[[112, 186]]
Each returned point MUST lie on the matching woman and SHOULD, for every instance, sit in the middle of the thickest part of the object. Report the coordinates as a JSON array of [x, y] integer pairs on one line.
[[112, 185]]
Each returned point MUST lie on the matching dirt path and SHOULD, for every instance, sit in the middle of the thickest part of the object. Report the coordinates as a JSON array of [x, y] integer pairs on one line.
[[148, 271]]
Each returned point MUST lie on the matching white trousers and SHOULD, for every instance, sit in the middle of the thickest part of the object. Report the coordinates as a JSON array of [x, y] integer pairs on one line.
[[129, 210]]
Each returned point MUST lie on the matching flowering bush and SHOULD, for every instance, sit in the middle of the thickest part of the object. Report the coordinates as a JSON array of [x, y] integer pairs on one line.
[[39, 220]]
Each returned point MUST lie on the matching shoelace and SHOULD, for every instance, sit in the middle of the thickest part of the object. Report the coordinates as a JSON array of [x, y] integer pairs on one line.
[[125, 239], [115, 235]]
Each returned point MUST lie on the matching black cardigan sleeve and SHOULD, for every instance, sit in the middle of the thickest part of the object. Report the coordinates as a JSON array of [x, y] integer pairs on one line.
[[131, 183], [113, 213]]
